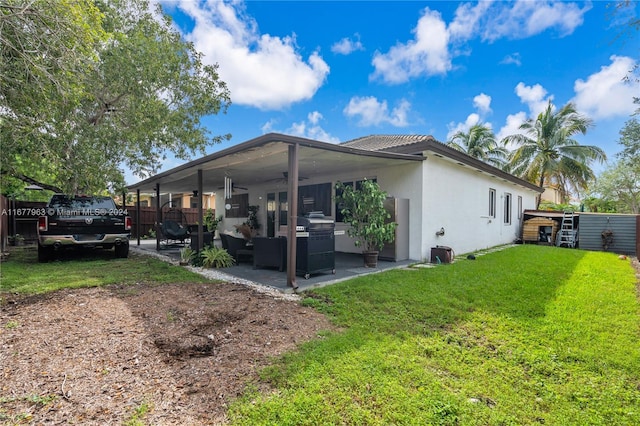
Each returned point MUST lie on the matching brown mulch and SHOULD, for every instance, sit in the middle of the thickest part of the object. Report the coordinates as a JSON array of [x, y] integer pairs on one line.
[[93, 356]]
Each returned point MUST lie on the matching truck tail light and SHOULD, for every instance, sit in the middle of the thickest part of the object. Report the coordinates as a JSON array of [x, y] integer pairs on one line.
[[43, 224], [127, 223]]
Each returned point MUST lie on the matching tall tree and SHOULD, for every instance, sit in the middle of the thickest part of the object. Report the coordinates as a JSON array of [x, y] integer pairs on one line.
[[480, 142], [620, 185], [139, 92], [630, 140], [547, 154]]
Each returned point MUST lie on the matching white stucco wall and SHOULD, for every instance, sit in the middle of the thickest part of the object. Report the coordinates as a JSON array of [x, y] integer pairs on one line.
[[441, 193], [456, 198]]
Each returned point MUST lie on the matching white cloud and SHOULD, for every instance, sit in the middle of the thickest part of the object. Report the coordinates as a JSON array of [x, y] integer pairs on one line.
[[514, 58], [453, 128], [467, 20], [605, 94], [347, 46], [372, 112], [482, 103], [535, 97], [526, 18], [309, 128], [434, 44], [426, 55], [511, 126], [260, 70]]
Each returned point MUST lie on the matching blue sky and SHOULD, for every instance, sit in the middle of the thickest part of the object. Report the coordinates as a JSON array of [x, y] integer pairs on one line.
[[334, 71]]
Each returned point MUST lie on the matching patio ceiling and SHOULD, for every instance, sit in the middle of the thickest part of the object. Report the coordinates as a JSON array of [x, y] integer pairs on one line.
[[264, 159]]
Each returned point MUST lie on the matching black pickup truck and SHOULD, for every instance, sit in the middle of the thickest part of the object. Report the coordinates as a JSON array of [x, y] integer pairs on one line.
[[82, 222]]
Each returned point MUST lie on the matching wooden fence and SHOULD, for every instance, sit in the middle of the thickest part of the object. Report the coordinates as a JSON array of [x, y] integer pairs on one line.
[[148, 219], [26, 222]]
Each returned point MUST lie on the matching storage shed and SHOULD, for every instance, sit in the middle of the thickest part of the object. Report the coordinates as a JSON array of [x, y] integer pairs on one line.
[[617, 233], [539, 230]]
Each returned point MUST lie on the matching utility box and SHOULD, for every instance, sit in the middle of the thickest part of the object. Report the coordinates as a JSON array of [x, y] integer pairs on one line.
[[441, 254]]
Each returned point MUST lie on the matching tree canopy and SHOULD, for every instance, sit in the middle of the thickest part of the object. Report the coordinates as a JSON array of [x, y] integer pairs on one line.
[[619, 184], [480, 142], [547, 154], [630, 141], [90, 87]]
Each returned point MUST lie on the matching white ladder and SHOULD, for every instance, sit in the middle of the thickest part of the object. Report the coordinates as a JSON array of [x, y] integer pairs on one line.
[[567, 235]]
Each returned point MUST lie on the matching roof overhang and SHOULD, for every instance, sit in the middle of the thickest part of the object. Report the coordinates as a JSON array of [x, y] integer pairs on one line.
[[264, 158], [432, 147]]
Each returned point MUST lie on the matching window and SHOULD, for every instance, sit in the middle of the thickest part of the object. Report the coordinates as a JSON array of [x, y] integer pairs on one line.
[[492, 202], [339, 207], [519, 207], [507, 208], [283, 208], [239, 206], [314, 198]]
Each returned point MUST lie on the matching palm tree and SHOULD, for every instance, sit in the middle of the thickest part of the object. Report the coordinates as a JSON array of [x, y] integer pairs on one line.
[[480, 142], [546, 154]]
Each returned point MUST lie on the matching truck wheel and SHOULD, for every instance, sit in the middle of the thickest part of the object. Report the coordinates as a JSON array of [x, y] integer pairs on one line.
[[44, 253], [122, 251]]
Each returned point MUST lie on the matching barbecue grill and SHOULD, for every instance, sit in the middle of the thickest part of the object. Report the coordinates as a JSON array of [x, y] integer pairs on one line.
[[315, 245]]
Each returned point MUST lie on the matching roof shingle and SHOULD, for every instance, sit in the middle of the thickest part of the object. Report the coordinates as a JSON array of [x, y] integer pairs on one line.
[[386, 142]]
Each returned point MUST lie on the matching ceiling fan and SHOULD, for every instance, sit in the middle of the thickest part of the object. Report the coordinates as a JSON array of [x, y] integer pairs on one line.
[[285, 178]]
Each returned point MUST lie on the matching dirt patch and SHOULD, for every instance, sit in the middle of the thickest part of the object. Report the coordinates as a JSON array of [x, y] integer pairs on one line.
[[184, 351]]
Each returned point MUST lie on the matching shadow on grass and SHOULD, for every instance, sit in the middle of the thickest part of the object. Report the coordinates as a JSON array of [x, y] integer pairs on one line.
[[516, 283]]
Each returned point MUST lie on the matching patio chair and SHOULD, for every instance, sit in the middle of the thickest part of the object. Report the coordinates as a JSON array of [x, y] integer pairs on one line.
[[174, 227], [237, 247], [270, 252]]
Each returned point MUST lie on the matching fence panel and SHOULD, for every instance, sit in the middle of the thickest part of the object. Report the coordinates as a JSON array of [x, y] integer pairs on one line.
[[148, 219]]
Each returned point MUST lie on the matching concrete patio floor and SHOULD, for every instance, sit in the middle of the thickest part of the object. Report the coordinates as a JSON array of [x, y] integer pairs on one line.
[[348, 265]]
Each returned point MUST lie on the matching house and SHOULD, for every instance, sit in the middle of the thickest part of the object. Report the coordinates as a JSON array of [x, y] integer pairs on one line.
[[451, 199]]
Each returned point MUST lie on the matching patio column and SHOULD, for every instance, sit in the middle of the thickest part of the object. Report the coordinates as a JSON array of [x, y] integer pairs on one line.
[[138, 214], [158, 216], [200, 215], [292, 221]]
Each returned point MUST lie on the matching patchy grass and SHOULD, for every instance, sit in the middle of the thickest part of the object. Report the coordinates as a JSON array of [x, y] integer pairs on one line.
[[528, 335], [136, 418], [22, 273]]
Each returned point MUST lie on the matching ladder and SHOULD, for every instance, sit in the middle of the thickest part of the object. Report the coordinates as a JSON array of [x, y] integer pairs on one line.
[[567, 236]]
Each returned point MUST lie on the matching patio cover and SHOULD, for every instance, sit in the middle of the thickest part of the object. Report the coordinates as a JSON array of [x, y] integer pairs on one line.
[[264, 158]]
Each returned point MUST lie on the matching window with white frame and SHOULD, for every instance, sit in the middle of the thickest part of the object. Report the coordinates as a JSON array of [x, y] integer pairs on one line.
[[519, 207], [492, 202], [507, 208]]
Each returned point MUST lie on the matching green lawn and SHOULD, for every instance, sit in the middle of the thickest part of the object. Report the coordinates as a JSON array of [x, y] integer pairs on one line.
[[528, 335], [22, 273]]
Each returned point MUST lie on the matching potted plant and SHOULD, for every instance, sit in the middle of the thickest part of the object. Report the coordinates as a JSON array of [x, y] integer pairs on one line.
[[363, 209], [252, 220], [186, 254], [16, 240], [216, 257], [211, 222]]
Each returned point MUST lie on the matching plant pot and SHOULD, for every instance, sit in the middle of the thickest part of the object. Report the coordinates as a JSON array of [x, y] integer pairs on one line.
[[370, 259], [184, 263]]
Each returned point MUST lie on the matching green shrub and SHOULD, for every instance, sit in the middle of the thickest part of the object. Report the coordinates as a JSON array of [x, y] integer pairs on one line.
[[216, 257]]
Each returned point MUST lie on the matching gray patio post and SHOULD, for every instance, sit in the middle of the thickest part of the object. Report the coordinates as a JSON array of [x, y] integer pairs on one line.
[[293, 215], [158, 216], [200, 215], [138, 214]]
